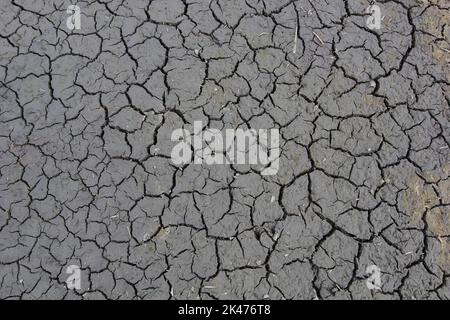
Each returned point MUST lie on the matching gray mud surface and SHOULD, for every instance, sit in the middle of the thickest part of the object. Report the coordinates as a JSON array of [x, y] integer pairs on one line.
[[86, 177]]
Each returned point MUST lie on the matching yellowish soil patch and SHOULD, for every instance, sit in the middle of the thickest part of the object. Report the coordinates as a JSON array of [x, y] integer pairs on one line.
[[421, 198], [435, 21], [373, 101]]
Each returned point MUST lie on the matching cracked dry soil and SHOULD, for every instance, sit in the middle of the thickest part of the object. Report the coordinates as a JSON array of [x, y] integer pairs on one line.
[[86, 177]]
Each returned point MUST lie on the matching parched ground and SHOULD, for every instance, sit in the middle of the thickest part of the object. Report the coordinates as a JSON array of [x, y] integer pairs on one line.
[[86, 178]]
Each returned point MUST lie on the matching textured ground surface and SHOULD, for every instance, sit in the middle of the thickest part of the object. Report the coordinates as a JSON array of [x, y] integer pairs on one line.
[[86, 177]]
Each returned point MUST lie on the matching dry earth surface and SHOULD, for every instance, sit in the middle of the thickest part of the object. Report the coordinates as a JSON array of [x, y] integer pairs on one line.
[[86, 178]]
